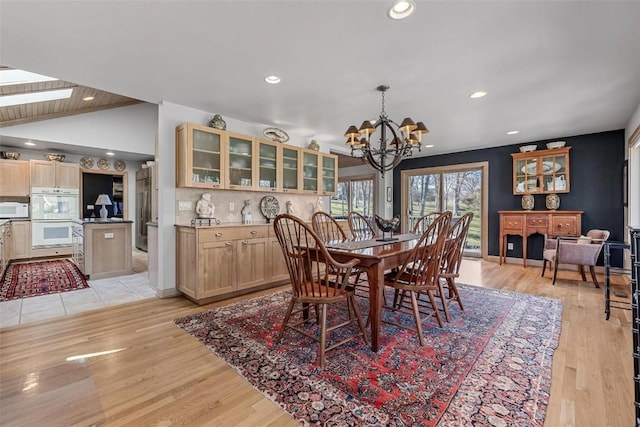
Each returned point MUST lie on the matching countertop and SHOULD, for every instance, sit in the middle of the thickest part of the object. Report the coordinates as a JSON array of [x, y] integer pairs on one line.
[[98, 221], [227, 224]]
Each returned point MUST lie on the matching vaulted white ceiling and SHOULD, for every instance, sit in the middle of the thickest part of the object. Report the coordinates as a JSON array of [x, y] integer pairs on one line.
[[551, 68]]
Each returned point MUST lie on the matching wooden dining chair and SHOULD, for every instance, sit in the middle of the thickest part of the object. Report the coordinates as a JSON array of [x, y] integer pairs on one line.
[[424, 221], [360, 226], [451, 259], [327, 228], [317, 280], [420, 275]]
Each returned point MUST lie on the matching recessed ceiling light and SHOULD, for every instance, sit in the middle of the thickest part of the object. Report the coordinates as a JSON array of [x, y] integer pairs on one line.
[[401, 9], [428, 146], [478, 94], [29, 98], [30, 143], [274, 80], [109, 153], [513, 132], [88, 98]]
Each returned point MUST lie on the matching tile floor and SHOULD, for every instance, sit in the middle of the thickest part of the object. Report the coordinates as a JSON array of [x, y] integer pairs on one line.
[[101, 293]]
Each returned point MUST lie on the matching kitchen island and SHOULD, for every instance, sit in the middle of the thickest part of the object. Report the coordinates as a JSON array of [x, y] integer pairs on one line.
[[102, 248]]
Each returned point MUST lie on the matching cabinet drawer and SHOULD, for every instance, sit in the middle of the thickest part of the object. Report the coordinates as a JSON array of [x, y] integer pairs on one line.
[[512, 222], [220, 234], [537, 221], [564, 225]]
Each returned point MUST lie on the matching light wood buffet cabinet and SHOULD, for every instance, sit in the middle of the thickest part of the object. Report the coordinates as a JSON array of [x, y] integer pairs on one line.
[[541, 171], [212, 158], [218, 262]]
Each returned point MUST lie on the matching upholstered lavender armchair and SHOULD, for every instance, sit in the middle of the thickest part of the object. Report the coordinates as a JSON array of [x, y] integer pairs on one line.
[[580, 251]]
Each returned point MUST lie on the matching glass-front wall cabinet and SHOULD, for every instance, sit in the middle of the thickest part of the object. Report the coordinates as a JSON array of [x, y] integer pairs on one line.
[[309, 171], [199, 156], [543, 171], [268, 165], [240, 161], [290, 167], [329, 175]]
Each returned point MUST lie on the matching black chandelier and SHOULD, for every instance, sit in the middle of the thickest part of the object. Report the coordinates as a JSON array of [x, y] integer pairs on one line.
[[405, 138]]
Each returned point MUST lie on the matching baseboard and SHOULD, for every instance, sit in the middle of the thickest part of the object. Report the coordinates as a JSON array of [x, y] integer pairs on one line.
[[167, 293]]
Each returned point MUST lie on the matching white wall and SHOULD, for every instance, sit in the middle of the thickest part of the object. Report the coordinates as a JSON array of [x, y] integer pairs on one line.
[[634, 172], [131, 129]]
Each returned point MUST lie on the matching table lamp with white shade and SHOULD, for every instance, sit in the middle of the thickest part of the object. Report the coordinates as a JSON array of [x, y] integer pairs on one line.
[[103, 200]]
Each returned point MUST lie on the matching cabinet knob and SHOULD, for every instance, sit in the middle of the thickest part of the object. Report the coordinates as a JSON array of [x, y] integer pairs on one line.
[[254, 232], [218, 234], [232, 186], [229, 243], [245, 242], [273, 189]]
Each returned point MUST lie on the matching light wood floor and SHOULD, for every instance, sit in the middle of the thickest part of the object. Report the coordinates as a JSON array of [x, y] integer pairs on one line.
[[163, 377]]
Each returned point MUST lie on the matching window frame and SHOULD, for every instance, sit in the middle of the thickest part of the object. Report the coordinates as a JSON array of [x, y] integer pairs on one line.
[[348, 180]]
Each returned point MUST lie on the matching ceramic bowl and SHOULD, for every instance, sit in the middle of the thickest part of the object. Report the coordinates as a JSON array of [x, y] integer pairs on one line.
[[556, 144], [54, 156], [526, 148], [10, 155]]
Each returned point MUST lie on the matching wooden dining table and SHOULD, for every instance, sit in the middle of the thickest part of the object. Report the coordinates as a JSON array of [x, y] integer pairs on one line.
[[375, 258]]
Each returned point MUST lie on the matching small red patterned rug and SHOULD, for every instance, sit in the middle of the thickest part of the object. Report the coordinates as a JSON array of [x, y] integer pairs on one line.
[[31, 279], [491, 366]]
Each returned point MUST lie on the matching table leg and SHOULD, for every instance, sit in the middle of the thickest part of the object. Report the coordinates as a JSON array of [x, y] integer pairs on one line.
[[502, 245], [375, 274], [524, 250]]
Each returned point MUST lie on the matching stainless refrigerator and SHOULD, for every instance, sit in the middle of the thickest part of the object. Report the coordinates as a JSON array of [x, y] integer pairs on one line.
[[143, 206]]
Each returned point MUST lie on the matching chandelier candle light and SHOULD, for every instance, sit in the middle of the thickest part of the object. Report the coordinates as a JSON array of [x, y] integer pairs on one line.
[[401, 141]]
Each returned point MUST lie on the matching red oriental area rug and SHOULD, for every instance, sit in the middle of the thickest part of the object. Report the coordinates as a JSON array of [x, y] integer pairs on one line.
[[490, 366], [31, 279]]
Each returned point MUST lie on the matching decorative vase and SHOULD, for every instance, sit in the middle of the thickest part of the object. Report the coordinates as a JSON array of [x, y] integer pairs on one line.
[[313, 145], [552, 201], [218, 122], [528, 202]]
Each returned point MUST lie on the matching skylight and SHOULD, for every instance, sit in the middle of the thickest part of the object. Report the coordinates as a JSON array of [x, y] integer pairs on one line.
[[16, 77], [29, 98]]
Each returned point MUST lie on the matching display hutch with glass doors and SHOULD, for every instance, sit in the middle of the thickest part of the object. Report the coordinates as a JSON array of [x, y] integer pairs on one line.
[[541, 171]]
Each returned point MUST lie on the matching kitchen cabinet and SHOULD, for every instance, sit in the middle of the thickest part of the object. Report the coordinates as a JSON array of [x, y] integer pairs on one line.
[[54, 174], [219, 262], [20, 239], [200, 156], [240, 166], [106, 248], [212, 158], [541, 171], [14, 178], [329, 174], [309, 172], [290, 169], [268, 165], [5, 236]]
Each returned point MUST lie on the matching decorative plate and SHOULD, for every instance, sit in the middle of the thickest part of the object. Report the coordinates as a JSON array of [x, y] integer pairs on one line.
[[119, 165], [269, 207], [86, 162], [276, 134], [547, 167], [103, 164]]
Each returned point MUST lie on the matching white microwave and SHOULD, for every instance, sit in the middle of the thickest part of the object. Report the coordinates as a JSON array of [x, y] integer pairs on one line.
[[14, 210]]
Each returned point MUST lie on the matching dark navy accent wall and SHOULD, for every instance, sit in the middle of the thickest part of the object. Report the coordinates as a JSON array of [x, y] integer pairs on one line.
[[596, 162]]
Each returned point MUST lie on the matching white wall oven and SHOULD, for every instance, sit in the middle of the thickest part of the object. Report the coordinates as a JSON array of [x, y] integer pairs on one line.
[[51, 233], [52, 213]]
